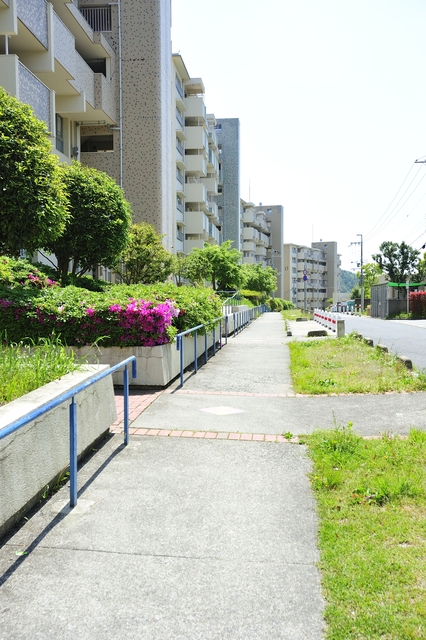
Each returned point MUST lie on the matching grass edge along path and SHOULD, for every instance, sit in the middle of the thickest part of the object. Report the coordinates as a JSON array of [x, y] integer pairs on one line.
[[348, 365], [371, 502]]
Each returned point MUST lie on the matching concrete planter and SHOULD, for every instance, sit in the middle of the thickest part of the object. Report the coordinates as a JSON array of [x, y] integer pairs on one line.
[[36, 454], [156, 366]]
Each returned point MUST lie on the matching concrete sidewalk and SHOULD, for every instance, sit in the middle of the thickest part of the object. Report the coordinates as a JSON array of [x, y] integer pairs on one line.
[[178, 537], [207, 534]]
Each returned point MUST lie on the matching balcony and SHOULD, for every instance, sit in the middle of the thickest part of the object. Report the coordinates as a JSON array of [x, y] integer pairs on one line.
[[250, 234], [262, 239], [248, 245], [196, 138], [211, 185], [196, 164], [197, 223], [213, 161], [214, 234], [24, 85], [179, 147], [99, 18], [212, 211], [195, 108], [179, 87], [179, 117], [249, 216], [90, 44], [260, 251], [64, 46], [180, 205], [196, 192], [33, 15], [105, 98]]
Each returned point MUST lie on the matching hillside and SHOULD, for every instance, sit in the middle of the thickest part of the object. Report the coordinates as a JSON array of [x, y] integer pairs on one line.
[[348, 281]]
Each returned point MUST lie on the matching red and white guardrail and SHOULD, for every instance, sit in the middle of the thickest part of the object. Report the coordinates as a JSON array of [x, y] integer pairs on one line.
[[326, 318]]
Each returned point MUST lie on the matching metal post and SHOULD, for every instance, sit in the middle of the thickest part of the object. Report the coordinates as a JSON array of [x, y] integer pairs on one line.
[[226, 329], [206, 347], [214, 340], [195, 352], [179, 346], [73, 453], [126, 404]]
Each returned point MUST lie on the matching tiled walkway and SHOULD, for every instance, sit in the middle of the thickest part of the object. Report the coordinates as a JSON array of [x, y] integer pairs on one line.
[[140, 400]]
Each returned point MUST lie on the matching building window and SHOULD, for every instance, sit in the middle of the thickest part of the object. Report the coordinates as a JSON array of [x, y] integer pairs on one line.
[[59, 133], [95, 143]]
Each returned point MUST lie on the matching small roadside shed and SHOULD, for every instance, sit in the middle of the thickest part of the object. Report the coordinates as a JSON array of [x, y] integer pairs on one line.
[[390, 298]]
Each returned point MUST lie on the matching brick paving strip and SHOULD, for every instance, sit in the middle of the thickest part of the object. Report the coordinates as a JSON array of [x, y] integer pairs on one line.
[[139, 400]]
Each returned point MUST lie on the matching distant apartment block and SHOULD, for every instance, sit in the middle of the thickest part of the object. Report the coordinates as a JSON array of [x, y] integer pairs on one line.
[[274, 214], [311, 274], [196, 164], [228, 138]]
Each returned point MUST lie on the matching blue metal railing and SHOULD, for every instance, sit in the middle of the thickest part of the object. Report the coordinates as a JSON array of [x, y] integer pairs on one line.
[[47, 406], [241, 319]]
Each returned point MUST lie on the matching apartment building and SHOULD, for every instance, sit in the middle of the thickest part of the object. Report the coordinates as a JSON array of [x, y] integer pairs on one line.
[[230, 213], [103, 78], [311, 274], [274, 216], [196, 164], [333, 260], [256, 235], [99, 74]]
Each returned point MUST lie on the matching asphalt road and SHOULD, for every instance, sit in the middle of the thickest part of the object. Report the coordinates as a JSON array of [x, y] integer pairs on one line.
[[402, 337]]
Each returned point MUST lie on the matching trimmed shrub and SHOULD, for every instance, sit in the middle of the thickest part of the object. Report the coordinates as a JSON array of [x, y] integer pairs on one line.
[[278, 304], [121, 316], [417, 301]]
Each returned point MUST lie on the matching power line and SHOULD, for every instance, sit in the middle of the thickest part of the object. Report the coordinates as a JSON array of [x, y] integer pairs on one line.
[[393, 213], [390, 204]]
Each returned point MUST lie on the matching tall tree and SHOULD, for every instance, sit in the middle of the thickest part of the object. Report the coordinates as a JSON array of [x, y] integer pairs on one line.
[[259, 278], [33, 203], [226, 271], [144, 259], [198, 267], [371, 272], [397, 261], [97, 230]]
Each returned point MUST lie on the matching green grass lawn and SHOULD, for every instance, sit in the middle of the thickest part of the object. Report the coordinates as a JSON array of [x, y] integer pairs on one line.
[[348, 365], [25, 367], [372, 535]]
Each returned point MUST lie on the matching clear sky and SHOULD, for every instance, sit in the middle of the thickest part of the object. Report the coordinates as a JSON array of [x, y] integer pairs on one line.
[[331, 97]]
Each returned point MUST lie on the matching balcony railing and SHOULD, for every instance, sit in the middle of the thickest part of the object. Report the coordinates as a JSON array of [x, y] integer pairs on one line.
[[180, 176], [179, 235], [179, 205], [179, 147], [99, 18], [179, 87], [179, 117]]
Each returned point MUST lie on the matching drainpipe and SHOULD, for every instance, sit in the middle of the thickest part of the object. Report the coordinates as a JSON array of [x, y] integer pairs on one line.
[[120, 88]]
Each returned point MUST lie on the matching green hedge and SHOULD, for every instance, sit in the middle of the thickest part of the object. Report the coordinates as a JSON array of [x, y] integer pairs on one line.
[[78, 316]]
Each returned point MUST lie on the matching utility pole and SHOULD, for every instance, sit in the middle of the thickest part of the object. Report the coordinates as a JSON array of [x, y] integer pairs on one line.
[[361, 277]]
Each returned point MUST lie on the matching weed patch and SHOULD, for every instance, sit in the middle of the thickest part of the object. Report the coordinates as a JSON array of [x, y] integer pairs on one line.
[[348, 365], [371, 497]]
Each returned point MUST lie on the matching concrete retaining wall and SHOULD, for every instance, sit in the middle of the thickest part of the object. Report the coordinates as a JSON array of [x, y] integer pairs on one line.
[[36, 454], [156, 366]]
